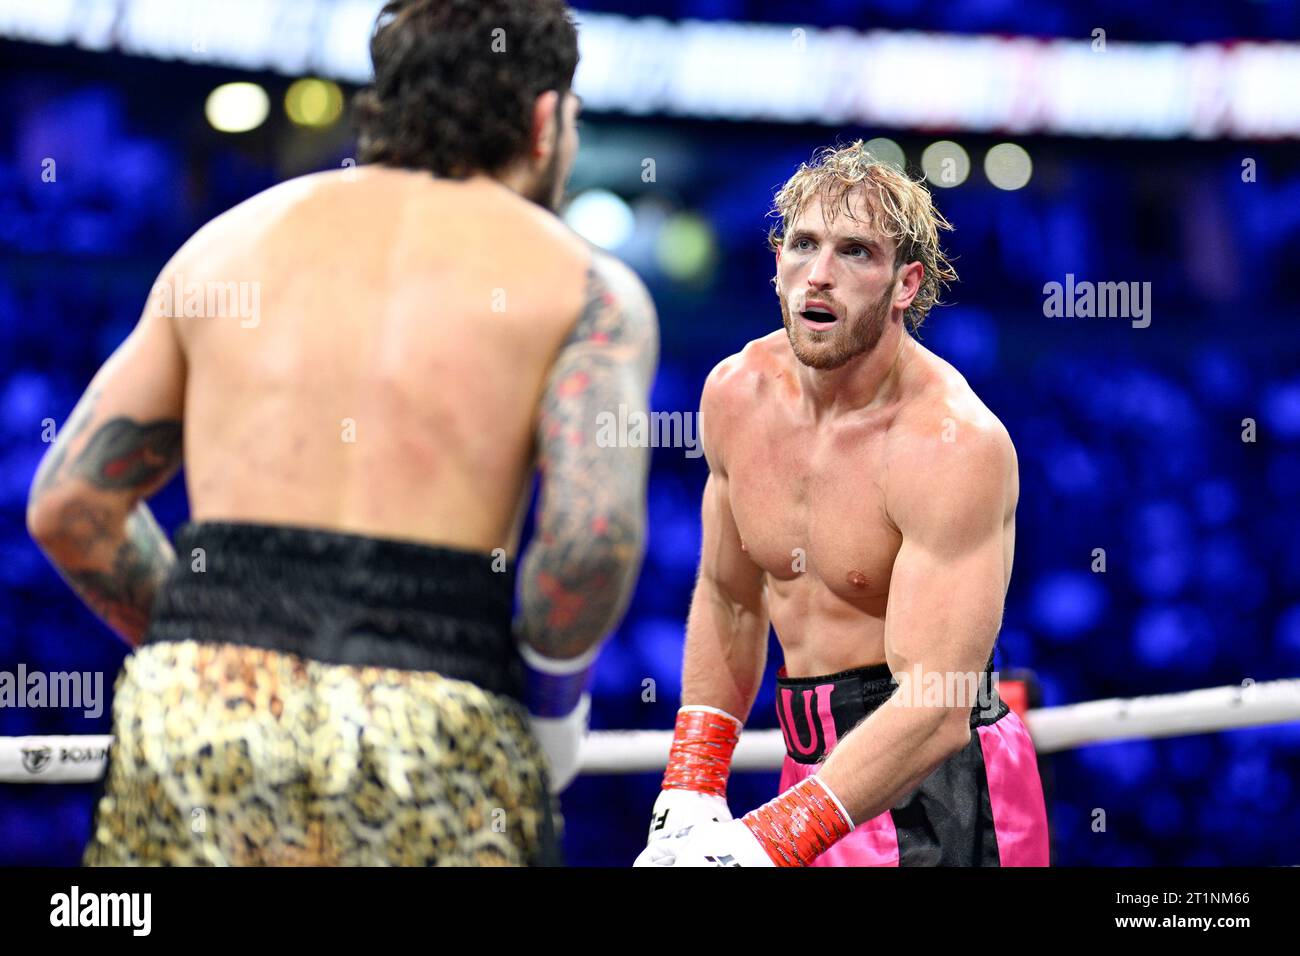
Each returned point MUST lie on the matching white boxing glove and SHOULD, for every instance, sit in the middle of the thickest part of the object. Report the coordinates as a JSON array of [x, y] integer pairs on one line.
[[677, 812], [559, 709], [793, 829], [695, 780], [719, 844], [561, 739]]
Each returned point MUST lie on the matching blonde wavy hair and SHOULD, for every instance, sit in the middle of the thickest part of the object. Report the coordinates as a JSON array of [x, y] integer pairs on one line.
[[897, 208]]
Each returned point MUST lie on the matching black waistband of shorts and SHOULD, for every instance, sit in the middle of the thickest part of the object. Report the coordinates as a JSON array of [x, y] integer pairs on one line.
[[815, 713], [342, 598]]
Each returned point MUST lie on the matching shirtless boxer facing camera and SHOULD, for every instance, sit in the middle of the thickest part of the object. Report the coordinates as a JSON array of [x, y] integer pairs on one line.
[[862, 500]]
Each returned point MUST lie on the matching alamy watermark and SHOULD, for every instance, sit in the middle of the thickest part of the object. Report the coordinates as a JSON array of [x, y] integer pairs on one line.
[[948, 689], [637, 429], [1102, 300], [78, 690], [208, 300], [131, 911]]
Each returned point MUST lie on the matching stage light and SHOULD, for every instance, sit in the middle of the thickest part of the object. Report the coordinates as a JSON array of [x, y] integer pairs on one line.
[[313, 102], [237, 107], [887, 151], [1008, 166], [945, 164], [600, 217], [685, 247]]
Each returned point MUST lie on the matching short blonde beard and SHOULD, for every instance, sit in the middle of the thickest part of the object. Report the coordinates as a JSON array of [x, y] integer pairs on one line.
[[855, 335]]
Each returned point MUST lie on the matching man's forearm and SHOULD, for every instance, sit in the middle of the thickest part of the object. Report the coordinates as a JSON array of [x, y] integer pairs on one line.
[[889, 755], [573, 592], [86, 511], [115, 565], [726, 648]]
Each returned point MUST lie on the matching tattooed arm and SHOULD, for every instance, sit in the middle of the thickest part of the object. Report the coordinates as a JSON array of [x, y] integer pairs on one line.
[[121, 444], [581, 566]]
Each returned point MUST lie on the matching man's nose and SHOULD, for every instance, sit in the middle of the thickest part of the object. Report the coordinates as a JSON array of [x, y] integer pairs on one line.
[[819, 276]]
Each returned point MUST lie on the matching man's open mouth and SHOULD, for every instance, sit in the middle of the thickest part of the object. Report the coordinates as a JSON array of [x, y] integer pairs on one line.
[[818, 317]]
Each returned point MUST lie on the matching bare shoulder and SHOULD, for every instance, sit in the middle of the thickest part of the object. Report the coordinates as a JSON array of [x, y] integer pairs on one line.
[[552, 231], [527, 223], [941, 408], [740, 378], [618, 315], [738, 383], [945, 441], [239, 225], [611, 279]]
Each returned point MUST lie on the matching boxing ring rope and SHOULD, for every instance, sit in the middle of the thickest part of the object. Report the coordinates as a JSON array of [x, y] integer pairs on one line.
[[82, 758], [1053, 728]]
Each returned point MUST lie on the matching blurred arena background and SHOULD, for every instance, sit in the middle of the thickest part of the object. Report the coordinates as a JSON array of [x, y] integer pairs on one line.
[[1158, 529]]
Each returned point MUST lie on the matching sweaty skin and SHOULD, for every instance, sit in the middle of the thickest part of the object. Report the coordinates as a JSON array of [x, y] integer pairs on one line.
[[865, 509], [417, 349]]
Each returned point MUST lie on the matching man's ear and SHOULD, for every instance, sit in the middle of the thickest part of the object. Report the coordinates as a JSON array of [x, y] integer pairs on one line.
[[542, 140], [776, 279], [909, 284]]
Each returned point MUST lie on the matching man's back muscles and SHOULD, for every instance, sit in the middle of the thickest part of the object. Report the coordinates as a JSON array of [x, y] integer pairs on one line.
[[391, 382]]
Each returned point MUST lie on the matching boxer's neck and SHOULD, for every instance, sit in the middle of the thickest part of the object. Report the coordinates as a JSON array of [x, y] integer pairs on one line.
[[868, 381]]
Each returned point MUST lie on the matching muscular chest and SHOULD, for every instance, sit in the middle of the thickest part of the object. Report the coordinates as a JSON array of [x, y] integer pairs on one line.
[[810, 505]]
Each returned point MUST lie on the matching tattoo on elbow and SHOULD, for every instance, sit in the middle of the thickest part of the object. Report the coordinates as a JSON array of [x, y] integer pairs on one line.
[[125, 454]]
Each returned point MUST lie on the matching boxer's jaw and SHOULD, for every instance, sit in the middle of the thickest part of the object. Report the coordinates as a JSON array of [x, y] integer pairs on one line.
[[852, 333]]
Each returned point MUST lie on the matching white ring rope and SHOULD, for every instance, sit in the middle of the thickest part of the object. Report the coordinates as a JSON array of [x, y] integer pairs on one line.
[[1053, 728], [81, 759]]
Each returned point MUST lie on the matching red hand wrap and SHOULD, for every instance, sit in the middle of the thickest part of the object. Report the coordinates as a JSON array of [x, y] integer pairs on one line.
[[799, 825], [700, 757]]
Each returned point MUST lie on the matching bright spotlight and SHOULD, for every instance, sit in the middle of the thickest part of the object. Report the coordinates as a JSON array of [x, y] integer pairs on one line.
[[887, 151], [237, 107], [600, 217], [945, 164], [313, 102], [1008, 166], [685, 246]]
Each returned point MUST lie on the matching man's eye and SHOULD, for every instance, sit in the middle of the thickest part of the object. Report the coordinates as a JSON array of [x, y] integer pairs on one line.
[[803, 245], [866, 253]]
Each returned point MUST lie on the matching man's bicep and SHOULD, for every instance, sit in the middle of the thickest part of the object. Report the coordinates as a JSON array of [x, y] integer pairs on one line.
[[599, 383], [948, 581], [581, 567], [945, 608], [724, 563], [123, 439]]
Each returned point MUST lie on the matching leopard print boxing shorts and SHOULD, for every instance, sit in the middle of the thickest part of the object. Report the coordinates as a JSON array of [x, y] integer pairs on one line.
[[312, 698]]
